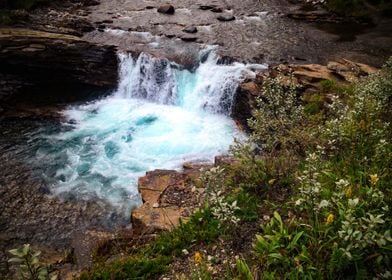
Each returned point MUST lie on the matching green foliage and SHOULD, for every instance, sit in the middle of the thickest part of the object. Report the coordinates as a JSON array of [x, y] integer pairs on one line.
[[249, 173], [244, 270], [342, 193], [222, 210], [279, 114], [202, 227], [28, 264], [284, 251], [129, 268], [152, 261]]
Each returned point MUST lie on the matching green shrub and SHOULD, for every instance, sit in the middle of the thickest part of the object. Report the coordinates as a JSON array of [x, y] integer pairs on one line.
[[29, 266]]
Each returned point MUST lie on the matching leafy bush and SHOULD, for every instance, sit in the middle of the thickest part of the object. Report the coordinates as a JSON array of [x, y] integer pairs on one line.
[[29, 265], [282, 250], [342, 195], [279, 113]]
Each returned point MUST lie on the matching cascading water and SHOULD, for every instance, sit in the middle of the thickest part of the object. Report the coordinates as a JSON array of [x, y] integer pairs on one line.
[[159, 117]]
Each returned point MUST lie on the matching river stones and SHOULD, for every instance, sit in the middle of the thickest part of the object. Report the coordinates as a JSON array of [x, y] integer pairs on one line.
[[189, 38], [166, 9], [217, 10], [206, 7], [190, 29], [227, 17]]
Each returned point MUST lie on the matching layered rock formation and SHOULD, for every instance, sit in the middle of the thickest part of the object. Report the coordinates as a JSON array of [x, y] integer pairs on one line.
[[30, 57]]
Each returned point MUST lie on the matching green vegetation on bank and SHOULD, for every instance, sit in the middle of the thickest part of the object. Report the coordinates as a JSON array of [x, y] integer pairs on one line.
[[337, 222]]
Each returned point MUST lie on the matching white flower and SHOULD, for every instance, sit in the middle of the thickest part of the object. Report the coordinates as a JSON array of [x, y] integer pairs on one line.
[[353, 202], [324, 203], [342, 183]]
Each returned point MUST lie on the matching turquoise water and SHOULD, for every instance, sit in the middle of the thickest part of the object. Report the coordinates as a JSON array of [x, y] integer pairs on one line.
[[159, 117]]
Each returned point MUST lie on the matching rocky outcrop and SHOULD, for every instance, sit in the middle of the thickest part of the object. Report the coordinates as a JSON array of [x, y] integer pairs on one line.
[[168, 197], [308, 76], [41, 58]]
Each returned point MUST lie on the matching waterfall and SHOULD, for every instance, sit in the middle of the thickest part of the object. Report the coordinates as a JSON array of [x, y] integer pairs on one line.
[[210, 88], [159, 117]]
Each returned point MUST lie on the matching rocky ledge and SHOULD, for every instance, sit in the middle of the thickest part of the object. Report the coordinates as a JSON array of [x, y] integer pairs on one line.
[[170, 196], [36, 58], [307, 76]]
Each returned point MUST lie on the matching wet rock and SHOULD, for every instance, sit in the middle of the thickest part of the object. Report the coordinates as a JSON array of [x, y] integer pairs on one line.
[[217, 10], [166, 9], [245, 102], [189, 38], [36, 55], [313, 16], [226, 17], [90, 3], [190, 29], [207, 7], [225, 60]]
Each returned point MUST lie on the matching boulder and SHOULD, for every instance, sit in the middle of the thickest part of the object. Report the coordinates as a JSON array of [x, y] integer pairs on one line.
[[166, 9]]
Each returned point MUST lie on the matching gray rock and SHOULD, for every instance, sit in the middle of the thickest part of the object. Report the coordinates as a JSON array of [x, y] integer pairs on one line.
[[189, 38], [190, 29], [217, 10], [226, 17], [166, 9]]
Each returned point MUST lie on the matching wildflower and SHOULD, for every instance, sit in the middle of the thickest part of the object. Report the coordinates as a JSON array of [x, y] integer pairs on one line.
[[271, 182], [198, 258], [323, 203], [330, 219], [353, 202], [374, 179], [349, 192], [342, 183]]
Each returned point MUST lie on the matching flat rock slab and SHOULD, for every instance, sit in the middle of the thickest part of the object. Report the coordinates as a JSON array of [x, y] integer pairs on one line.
[[156, 182], [169, 196]]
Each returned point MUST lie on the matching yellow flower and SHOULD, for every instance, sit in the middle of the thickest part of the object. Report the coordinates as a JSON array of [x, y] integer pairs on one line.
[[198, 258], [374, 179], [349, 192], [329, 219], [362, 124], [270, 182]]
